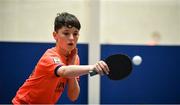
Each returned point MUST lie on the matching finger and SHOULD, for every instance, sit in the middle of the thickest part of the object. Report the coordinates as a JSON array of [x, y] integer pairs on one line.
[[99, 69], [104, 68], [95, 68], [75, 51]]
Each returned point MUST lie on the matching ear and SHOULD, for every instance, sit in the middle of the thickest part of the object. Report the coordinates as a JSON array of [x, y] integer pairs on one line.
[[55, 35]]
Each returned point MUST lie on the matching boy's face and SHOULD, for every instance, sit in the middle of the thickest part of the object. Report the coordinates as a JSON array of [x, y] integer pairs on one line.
[[66, 38]]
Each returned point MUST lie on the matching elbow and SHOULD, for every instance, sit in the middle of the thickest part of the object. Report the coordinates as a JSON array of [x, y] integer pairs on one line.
[[73, 95], [73, 98]]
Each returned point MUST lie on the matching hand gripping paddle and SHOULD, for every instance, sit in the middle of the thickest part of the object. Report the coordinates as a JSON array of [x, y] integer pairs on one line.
[[120, 66]]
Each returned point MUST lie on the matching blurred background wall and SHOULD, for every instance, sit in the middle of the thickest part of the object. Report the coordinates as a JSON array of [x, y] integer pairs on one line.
[[120, 21], [134, 21]]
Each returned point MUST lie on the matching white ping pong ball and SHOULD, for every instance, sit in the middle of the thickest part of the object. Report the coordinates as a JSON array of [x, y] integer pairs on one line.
[[137, 60]]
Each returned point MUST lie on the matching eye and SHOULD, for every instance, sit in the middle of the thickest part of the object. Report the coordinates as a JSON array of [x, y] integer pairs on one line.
[[76, 34], [66, 33]]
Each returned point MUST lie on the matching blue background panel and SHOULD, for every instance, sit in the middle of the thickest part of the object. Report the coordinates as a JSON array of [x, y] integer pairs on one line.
[[156, 80], [17, 62]]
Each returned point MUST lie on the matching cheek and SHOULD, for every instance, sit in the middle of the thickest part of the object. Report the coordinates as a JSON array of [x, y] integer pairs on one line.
[[61, 42], [76, 39]]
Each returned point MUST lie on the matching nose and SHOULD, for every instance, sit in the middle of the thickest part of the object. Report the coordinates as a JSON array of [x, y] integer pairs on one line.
[[71, 37]]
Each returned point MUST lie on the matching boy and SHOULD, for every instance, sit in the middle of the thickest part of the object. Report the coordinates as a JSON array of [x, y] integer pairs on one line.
[[59, 66]]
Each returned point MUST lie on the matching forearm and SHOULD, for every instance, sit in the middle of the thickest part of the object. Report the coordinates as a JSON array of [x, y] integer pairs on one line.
[[74, 70], [73, 89]]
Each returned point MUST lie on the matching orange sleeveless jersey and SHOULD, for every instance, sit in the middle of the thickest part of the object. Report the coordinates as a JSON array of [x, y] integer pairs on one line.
[[43, 86]]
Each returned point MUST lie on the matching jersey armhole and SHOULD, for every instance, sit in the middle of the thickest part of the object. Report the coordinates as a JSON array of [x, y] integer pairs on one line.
[[55, 71]]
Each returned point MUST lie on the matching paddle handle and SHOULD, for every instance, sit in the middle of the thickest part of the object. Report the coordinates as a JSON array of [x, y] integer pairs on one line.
[[93, 72]]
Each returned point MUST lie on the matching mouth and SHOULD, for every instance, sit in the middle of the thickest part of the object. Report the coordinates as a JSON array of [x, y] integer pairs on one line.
[[70, 44]]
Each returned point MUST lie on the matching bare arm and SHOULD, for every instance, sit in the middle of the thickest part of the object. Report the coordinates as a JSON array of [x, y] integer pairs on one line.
[[73, 89], [72, 71]]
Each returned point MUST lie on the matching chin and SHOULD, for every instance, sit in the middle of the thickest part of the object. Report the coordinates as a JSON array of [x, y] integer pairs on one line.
[[70, 49]]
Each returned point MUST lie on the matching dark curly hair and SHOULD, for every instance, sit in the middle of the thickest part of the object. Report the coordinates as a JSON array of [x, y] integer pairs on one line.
[[67, 20]]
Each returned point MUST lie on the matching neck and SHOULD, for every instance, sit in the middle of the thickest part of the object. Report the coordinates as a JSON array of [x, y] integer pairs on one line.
[[62, 51]]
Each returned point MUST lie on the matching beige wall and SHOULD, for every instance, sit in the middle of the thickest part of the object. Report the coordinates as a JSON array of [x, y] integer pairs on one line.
[[121, 21], [133, 21], [32, 20]]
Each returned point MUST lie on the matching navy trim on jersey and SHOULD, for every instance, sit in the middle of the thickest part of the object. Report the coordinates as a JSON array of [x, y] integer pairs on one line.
[[56, 69]]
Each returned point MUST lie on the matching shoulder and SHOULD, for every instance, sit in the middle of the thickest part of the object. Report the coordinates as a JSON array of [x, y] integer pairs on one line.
[[50, 57], [51, 52]]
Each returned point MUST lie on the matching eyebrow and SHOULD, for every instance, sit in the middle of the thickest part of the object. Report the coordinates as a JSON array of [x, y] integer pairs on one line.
[[66, 30], [76, 31]]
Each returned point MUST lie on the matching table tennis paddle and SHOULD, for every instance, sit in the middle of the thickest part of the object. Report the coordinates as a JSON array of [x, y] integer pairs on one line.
[[120, 66]]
